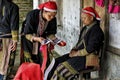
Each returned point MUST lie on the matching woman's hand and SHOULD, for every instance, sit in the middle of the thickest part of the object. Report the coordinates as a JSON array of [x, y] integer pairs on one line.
[[73, 53], [13, 46], [38, 39]]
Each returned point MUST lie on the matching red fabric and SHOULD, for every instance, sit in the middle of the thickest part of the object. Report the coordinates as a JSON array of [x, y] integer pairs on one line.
[[91, 11], [51, 47], [62, 43], [49, 5], [29, 71], [33, 71], [43, 48]]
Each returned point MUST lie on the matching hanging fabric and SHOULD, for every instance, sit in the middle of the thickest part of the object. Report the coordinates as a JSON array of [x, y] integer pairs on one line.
[[100, 3], [114, 6], [29, 71]]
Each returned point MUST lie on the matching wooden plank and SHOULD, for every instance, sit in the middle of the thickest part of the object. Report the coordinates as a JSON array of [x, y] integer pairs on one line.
[[101, 12], [113, 50], [88, 3]]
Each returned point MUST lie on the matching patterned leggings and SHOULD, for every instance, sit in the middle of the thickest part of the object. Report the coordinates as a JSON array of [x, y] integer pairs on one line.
[[68, 70]]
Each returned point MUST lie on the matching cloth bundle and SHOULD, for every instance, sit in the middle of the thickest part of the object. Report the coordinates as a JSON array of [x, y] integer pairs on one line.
[[29, 71]]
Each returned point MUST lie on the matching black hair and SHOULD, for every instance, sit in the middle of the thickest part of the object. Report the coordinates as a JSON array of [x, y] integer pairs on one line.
[[98, 21], [9, 0]]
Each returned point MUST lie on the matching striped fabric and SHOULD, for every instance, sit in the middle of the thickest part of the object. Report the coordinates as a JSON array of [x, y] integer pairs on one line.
[[64, 72], [6, 57]]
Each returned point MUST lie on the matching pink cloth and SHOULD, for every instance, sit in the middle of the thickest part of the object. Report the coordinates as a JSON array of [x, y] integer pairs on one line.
[[114, 8], [29, 71], [100, 3]]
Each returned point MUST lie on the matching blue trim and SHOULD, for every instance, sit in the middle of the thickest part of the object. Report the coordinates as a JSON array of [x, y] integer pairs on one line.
[[1, 77]]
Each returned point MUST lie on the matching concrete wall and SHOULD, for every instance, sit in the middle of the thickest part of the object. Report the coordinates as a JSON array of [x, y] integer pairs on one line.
[[112, 66], [114, 30], [112, 59], [35, 4], [68, 24], [41, 1]]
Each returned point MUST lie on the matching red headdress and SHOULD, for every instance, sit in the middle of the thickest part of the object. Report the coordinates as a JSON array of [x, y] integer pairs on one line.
[[49, 6], [91, 11]]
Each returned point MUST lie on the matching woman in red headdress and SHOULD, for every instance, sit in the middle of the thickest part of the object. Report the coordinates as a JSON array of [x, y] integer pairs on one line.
[[39, 26], [90, 39]]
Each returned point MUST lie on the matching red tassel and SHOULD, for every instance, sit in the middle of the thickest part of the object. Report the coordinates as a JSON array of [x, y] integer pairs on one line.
[[43, 49], [62, 43]]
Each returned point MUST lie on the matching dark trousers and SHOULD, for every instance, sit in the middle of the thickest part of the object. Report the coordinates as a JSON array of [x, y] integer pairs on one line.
[[78, 63], [57, 62], [1, 77]]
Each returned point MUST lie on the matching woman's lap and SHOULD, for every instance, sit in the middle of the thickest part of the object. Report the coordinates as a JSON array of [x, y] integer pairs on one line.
[[73, 65]]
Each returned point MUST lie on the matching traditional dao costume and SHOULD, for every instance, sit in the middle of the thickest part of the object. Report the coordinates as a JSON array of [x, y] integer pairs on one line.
[[35, 25], [35, 52], [90, 40], [9, 25]]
